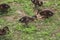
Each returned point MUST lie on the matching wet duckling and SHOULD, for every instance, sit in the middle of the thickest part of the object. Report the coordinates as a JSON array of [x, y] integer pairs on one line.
[[45, 13], [4, 30]]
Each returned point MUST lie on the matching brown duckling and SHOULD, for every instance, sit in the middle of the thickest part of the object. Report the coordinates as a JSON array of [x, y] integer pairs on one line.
[[26, 19], [4, 7], [4, 30], [45, 13], [37, 2]]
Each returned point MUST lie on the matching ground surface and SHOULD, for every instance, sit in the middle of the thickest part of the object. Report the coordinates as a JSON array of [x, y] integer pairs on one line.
[[48, 29]]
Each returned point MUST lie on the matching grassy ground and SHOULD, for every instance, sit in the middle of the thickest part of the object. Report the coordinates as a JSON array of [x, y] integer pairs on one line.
[[48, 29]]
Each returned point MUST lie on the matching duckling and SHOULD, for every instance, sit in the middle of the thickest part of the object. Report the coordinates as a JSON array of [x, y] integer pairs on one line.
[[4, 7], [26, 19], [37, 2], [4, 30], [45, 13]]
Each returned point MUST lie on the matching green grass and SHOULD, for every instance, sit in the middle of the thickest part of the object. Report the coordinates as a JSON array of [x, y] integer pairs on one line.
[[20, 32]]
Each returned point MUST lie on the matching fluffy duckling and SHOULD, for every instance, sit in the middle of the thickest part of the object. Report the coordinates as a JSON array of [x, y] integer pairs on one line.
[[4, 7], [37, 2], [45, 13], [26, 19]]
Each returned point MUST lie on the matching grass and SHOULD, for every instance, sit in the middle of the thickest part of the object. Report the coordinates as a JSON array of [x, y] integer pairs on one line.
[[41, 30]]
